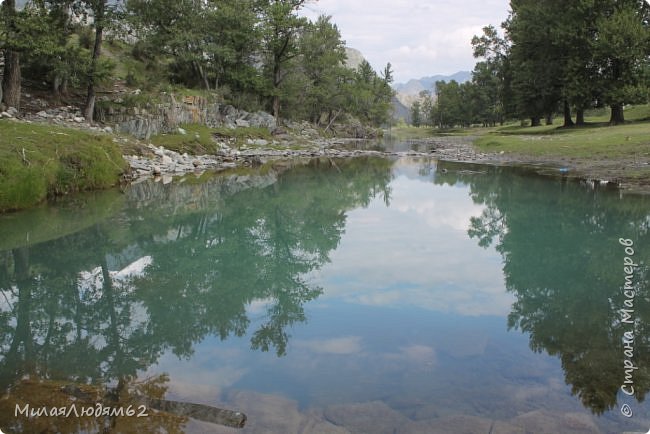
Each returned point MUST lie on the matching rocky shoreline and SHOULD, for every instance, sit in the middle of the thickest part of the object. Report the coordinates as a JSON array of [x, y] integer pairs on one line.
[[306, 142]]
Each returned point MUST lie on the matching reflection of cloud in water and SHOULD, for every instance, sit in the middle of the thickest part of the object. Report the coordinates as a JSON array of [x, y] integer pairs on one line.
[[134, 269], [417, 252], [419, 353], [345, 345], [445, 209], [204, 376], [260, 306], [91, 282]]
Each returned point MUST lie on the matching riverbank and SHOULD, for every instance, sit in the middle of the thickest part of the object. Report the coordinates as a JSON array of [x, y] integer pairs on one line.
[[40, 160], [595, 152]]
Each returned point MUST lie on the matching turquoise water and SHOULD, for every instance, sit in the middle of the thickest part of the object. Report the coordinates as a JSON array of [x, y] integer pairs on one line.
[[362, 296]]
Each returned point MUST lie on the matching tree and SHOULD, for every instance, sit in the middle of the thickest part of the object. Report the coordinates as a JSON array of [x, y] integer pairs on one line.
[[280, 28], [322, 60], [370, 95], [416, 113], [11, 77], [103, 12], [622, 49], [426, 107], [490, 76], [537, 63]]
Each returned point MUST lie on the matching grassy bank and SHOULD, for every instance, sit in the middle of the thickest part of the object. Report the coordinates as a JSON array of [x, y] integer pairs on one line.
[[37, 161], [619, 152], [596, 140], [590, 142]]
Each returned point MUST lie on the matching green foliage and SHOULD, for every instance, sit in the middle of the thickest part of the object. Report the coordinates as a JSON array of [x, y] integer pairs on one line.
[[322, 57], [556, 56], [257, 54], [416, 114], [369, 95]]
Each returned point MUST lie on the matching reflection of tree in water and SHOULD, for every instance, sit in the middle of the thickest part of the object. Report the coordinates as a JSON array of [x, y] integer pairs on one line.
[[564, 264], [67, 314]]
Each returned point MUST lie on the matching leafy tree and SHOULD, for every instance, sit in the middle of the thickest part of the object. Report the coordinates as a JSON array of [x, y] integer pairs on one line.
[[416, 113], [537, 63], [370, 95], [281, 27], [490, 76], [427, 106], [322, 60], [621, 50]]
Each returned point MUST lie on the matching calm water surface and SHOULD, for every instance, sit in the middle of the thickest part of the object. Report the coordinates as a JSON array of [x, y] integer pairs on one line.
[[367, 296]]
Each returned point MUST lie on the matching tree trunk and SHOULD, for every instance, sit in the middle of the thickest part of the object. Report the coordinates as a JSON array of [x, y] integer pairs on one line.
[[277, 80], [580, 116], [11, 80], [535, 122], [617, 114], [568, 122], [549, 119], [90, 98]]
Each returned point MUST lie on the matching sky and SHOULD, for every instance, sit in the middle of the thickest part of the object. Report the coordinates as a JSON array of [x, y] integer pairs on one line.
[[419, 38]]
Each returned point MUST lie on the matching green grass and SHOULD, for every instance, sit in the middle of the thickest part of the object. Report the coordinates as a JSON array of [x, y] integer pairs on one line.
[[40, 161], [198, 140], [411, 133], [596, 140], [201, 139]]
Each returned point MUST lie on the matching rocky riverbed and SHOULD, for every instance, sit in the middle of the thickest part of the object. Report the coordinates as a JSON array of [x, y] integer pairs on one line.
[[158, 161]]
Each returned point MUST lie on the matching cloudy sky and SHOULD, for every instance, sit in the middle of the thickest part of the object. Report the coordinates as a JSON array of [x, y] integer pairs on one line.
[[419, 38]]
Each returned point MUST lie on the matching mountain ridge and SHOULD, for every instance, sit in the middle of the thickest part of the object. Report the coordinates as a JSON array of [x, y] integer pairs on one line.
[[414, 86]]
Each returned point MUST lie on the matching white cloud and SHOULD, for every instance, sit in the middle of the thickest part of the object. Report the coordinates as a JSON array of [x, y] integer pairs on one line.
[[418, 38], [344, 345]]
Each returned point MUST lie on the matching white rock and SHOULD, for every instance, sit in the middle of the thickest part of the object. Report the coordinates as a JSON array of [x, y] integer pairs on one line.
[[108, 130], [181, 131], [167, 159], [79, 119], [242, 123], [43, 114], [156, 170], [5, 115], [166, 179]]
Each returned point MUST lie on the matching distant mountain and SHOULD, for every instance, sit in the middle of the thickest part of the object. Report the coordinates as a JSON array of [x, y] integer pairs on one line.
[[408, 92], [400, 111], [413, 86]]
